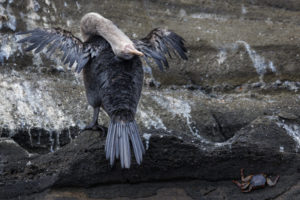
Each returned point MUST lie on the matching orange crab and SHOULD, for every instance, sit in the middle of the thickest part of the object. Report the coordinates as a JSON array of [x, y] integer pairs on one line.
[[252, 182]]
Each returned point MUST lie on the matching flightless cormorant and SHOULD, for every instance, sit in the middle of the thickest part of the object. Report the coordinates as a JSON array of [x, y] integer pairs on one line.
[[112, 73]]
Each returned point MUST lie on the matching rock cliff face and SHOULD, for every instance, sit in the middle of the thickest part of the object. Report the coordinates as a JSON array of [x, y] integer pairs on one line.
[[234, 104]]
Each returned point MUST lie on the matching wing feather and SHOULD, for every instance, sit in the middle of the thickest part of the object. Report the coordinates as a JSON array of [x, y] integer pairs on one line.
[[159, 43], [44, 43], [72, 48]]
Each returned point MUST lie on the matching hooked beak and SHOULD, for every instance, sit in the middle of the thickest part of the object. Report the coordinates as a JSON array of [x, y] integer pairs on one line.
[[130, 49], [135, 52]]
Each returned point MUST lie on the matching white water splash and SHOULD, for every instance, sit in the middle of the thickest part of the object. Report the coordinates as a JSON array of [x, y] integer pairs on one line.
[[54, 7], [259, 62], [182, 13], [244, 10], [51, 141], [11, 22], [28, 103], [8, 141], [222, 56], [70, 135], [272, 67], [28, 163], [149, 119], [69, 23], [292, 130], [78, 5], [39, 138], [5, 52], [180, 108], [293, 86], [31, 19], [208, 16], [281, 149], [58, 133], [147, 137], [8, 47], [47, 2], [30, 136], [36, 6]]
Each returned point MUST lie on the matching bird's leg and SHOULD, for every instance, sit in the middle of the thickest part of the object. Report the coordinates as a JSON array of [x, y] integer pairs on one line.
[[272, 183], [94, 124]]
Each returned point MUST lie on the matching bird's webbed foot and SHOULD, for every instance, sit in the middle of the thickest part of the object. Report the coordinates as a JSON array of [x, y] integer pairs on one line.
[[94, 127]]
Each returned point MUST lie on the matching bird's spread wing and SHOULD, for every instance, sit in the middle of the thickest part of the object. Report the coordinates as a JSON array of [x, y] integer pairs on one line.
[[72, 48], [158, 43]]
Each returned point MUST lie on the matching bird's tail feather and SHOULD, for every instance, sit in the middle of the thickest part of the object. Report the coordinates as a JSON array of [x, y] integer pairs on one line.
[[117, 142]]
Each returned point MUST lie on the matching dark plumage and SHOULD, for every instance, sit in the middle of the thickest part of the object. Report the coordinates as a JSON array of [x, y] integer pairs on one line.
[[113, 74], [116, 86]]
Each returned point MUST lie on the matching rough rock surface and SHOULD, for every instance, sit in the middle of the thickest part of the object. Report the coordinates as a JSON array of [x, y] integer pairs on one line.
[[261, 146], [234, 104]]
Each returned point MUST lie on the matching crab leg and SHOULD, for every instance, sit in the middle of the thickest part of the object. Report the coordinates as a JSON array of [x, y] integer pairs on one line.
[[242, 172], [245, 185], [237, 183], [249, 189], [247, 179]]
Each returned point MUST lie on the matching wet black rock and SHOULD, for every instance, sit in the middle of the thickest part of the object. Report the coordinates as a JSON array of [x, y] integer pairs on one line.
[[261, 146]]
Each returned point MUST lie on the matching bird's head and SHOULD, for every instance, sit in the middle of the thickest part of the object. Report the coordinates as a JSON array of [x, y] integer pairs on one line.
[[96, 24]]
